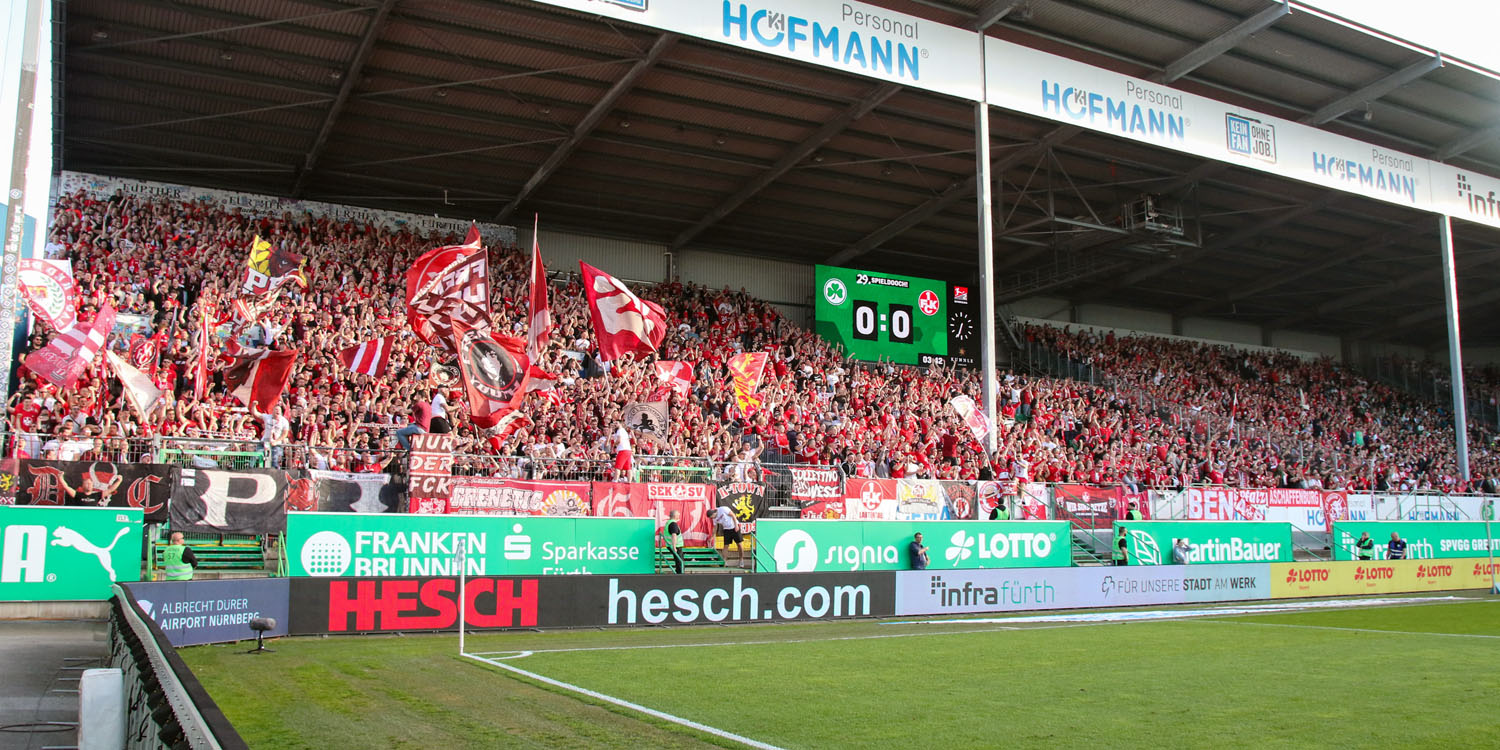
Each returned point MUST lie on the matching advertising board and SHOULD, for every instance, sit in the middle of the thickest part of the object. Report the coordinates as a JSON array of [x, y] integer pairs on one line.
[[64, 554], [805, 546], [1290, 580], [196, 612], [1424, 539], [930, 592], [1151, 542], [362, 545], [347, 605]]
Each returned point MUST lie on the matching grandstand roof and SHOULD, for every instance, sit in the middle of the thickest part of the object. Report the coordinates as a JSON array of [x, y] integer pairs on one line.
[[493, 109]]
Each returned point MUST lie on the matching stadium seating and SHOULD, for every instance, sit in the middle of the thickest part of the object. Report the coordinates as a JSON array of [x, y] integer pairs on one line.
[[1159, 412]]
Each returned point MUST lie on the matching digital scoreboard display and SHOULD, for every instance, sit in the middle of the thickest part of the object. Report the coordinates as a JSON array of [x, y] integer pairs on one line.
[[903, 319]]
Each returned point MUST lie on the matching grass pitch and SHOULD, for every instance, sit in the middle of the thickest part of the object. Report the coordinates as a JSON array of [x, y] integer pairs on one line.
[[1421, 675]]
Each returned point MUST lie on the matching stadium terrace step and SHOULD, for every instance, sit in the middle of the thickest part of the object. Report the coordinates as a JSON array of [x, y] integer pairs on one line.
[[692, 557]]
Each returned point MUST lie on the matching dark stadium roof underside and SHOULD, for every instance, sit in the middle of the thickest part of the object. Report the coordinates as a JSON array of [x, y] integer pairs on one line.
[[500, 108]]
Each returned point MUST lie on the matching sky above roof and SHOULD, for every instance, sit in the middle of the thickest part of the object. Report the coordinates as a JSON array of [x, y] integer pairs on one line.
[[1461, 28]]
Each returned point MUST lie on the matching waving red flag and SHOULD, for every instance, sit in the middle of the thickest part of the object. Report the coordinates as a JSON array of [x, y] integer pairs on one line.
[[675, 375], [495, 372], [449, 283], [623, 322], [370, 358], [63, 360], [540, 329]]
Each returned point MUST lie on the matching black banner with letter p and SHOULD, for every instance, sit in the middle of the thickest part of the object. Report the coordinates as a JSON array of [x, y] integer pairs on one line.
[[246, 501]]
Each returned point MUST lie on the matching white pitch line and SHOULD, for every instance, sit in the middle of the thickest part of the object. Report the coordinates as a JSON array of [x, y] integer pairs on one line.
[[627, 704], [1350, 630]]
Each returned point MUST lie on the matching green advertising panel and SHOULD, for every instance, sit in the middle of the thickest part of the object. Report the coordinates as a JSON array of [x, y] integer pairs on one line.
[[63, 554], [801, 546], [1151, 542], [908, 320], [385, 544], [1425, 540]]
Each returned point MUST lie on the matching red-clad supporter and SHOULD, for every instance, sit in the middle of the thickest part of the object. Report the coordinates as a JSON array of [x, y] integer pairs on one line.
[[1159, 412]]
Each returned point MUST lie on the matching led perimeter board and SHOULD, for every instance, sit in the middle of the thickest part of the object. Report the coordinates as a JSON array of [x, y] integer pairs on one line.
[[903, 319]]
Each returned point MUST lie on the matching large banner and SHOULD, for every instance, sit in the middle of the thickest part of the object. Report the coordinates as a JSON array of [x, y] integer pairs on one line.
[[345, 492], [67, 553], [1151, 542], [1303, 579], [748, 501], [1425, 540], [483, 496], [975, 591], [807, 546], [845, 35], [869, 499], [383, 605], [1050, 86], [1026, 500], [246, 501], [344, 544], [96, 484], [1087, 506], [655, 500], [818, 491], [907, 500], [430, 472], [1307, 510], [197, 612]]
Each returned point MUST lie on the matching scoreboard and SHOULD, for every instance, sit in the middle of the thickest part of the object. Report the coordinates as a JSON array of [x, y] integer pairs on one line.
[[904, 319]]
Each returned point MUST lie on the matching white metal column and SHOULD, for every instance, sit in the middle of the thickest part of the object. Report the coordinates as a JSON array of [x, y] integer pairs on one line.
[[1455, 348], [15, 210], [986, 249]]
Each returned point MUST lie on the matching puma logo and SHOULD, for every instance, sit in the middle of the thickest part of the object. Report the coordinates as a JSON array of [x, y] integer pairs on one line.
[[63, 536]]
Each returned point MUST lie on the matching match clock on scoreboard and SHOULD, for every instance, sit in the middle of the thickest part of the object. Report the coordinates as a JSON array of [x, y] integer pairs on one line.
[[904, 319]]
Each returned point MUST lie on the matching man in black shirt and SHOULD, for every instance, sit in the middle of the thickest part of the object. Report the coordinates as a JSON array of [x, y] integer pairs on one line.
[[1396, 548], [673, 537], [918, 552]]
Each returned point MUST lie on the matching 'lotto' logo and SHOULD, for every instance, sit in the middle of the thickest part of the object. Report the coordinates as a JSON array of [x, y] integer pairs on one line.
[[1310, 575], [1374, 573]]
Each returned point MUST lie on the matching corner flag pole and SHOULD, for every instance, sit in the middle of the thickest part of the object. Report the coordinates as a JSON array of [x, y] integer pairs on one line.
[[463, 601], [1489, 544]]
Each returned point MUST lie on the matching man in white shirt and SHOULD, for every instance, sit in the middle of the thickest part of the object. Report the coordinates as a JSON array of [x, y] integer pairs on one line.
[[729, 531], [440, 423], [274, 431], [622, 453]]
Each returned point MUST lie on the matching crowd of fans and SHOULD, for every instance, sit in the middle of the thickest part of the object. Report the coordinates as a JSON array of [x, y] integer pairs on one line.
[[1164, 413]]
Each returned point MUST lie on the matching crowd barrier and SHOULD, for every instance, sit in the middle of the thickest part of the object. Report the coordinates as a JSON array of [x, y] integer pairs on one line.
[[194, 612], [165, 706]]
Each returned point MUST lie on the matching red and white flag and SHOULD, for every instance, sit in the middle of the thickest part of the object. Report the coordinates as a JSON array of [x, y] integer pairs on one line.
[[139, 390], [64, 359], [676, 375], [540, 329], [200, 368], [50, 291], [623, 322], [494, 370], [370, 358], [145, 351], [445, 284], [258, 380], [540, 380]]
